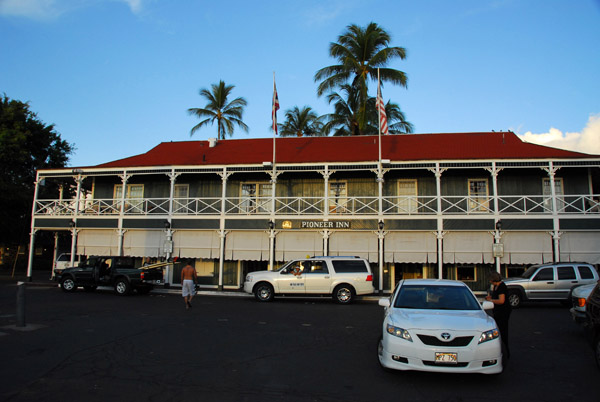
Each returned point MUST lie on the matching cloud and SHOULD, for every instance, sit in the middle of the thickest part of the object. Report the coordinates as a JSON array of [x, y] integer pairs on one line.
[[52, 9], [587, 141]]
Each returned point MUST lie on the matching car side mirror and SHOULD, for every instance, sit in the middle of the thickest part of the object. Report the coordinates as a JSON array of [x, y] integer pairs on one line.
[[487, 305], [384, 302]]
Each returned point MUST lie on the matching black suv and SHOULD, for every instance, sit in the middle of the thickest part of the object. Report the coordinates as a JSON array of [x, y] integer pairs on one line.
[[592, 311]]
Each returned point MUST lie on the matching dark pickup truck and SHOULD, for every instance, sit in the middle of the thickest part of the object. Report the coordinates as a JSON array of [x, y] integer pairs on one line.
[[118, 272]]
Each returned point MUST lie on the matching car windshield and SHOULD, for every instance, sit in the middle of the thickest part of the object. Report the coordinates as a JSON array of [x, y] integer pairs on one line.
[[436, 297], [530, 271]]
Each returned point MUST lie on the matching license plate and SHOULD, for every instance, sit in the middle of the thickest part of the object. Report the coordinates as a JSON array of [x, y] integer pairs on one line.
[[446, 357]]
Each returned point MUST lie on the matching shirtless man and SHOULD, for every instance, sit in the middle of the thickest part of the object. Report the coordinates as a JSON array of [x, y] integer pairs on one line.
[[188, 283]]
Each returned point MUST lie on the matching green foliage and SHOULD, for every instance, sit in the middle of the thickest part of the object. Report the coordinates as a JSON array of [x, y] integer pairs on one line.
[[226, 114], [26, 145], [301, 122], [360, 53]]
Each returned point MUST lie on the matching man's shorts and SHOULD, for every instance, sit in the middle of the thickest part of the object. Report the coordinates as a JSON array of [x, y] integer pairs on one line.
[[188, 288]]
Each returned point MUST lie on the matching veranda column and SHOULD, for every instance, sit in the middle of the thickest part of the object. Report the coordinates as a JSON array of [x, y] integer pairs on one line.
[[440, 220], [497, 234], [78, 179], [120, 232], [169, 232], [222, 232], [33, 229], [551, 170]]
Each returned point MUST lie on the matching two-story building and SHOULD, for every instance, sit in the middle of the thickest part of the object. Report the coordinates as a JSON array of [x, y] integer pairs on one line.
[[420, 205]]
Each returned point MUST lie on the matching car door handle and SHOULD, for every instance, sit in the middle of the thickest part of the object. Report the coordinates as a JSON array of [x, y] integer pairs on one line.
[[574, 281], [550, 283], [326, 277]]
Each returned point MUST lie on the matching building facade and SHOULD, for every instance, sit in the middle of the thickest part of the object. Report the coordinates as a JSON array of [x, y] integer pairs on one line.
[[432, 206]]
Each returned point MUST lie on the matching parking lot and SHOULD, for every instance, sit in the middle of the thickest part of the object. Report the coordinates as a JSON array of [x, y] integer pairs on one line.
[[99, 347]]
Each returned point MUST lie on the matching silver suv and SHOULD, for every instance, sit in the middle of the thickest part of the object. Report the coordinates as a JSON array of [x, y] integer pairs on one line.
[[340, 277], [553, 281]]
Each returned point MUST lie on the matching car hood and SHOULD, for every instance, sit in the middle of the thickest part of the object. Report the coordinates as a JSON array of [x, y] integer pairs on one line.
[[584, 290], [509, 281], [442, 319], [262, 274]]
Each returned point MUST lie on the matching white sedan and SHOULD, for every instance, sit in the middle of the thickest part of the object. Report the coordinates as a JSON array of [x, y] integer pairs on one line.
[[438, 325]]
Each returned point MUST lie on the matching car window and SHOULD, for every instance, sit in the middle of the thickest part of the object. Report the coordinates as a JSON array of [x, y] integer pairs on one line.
[[545, 274], [565, 273], [585, 272], [315, 267], [436, 297], [341, 266]]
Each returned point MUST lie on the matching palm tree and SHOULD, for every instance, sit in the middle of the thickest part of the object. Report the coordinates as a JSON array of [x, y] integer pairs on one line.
[[396, 119], [227, 114], [361, 51], [343, 121], [301, 122]]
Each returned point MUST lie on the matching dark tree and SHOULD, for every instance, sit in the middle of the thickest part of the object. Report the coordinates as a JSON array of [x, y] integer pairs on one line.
[[26, 145]]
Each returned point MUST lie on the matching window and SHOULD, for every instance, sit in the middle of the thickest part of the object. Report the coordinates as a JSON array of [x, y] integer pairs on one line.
[[349, 266], [133, 197], [338, 197], [256, 197], [558, 191], [566, 273], [181, 191], [465, 273], [315, 267], [514, 271], [205, 267], [545, 274], [407, 191], [585, 272], [478, 195]]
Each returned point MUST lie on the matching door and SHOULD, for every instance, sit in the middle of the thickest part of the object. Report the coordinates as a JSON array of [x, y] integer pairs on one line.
[[566, 281], [317, 277], [542, 284], [291, 278]]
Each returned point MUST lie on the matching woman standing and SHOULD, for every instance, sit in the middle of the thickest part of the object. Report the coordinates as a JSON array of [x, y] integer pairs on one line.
[[502, 309]]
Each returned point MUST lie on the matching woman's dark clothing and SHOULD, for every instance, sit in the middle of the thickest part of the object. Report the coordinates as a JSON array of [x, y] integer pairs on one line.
[[502, 313]]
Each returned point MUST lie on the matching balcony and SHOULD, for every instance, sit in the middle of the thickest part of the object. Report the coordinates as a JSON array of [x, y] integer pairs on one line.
[[316, 206]]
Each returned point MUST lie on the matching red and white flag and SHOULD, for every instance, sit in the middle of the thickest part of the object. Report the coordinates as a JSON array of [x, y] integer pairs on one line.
[[275, 106], [383, 126]]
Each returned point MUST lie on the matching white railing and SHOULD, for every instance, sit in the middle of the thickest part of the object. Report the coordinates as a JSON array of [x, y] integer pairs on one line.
[[306, 206]]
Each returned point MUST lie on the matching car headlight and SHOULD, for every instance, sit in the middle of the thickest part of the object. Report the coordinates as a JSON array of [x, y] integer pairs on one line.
[[249, 278], [489, 335], [399, 332]]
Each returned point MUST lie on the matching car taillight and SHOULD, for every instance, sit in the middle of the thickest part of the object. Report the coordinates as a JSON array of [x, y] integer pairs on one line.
[[369, 278], [142, 275], [580, 302]]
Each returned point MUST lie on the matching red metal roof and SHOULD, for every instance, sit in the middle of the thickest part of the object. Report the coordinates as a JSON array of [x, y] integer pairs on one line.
[[397, 148]]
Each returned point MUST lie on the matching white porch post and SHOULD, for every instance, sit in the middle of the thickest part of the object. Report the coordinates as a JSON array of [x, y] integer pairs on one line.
[[33, 229], [222, 232], [497, 234], [120, 231], [440, 220], [78, 179], [551, 170]]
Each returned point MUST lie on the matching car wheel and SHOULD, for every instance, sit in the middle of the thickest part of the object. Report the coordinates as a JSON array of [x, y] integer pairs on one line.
[[343, 294], [89, 288], [122, 287], [514, 299], [263, 292], [68, 284]]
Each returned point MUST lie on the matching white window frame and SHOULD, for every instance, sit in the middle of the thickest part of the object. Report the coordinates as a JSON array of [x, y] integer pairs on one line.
[[479, 202], [408, 205], [559, 192], [181, 188], [257, 201], [132, 203], [338, 200]]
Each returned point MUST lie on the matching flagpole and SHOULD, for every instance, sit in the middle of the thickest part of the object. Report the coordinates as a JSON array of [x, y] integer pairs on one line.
[[381, 233], [274, 123], [379, 118]]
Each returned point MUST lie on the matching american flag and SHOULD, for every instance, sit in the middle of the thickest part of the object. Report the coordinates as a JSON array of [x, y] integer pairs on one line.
[[275, 107], [383, 127]]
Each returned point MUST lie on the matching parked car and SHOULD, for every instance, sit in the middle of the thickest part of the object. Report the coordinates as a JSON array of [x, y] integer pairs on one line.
[[553, 281], [579, 299], [438, 325], [117, 272], [342, 278], [592, 312], [64, 260]]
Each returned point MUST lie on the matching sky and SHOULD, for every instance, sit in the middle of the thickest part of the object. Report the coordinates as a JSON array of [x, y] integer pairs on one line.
[[116, 77]]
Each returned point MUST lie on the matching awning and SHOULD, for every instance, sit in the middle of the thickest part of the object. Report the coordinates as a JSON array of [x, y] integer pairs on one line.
[[527, 247], [294, 244], [97, 242], [196, 244], [580, 247], [247, 246], [468, 248], [144, 243], [410, 247], [360, 244]]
